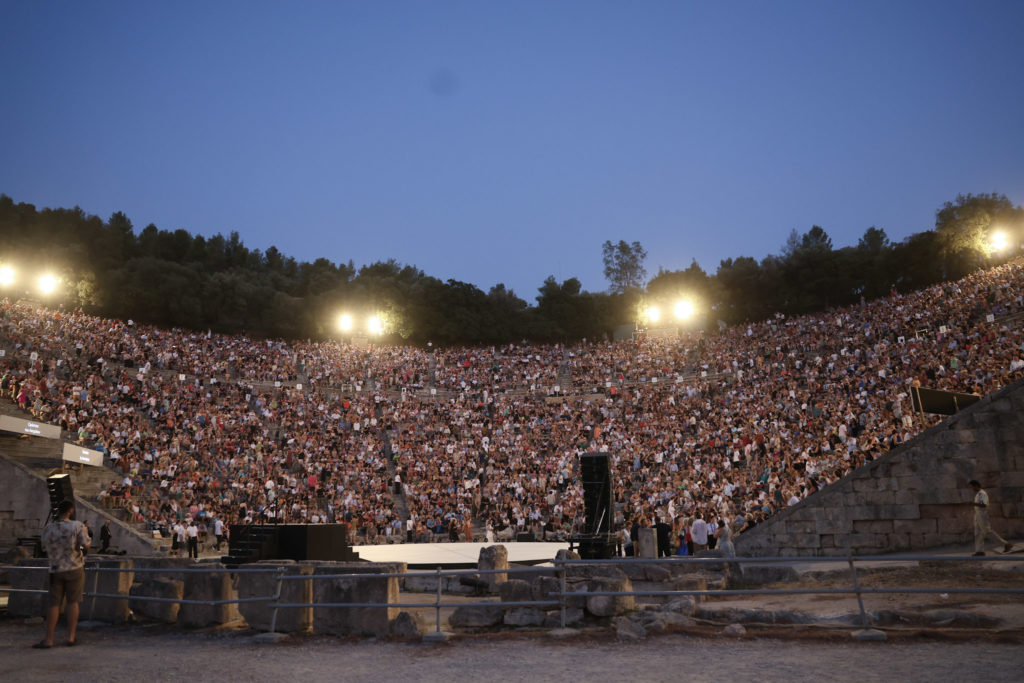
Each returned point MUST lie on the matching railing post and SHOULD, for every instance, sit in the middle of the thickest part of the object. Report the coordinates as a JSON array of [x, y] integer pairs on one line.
[[856, 587], [277, 599], [437, 605], [561, 598], [95, 587]]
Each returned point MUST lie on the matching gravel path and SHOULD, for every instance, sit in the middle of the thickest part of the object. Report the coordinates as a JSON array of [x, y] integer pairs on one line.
[[138, 654]]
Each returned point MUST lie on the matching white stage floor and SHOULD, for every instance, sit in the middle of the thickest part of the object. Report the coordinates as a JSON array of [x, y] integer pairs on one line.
[[432, 555]]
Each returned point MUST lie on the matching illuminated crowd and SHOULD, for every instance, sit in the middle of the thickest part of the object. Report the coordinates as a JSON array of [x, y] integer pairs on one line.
[[428, 443]]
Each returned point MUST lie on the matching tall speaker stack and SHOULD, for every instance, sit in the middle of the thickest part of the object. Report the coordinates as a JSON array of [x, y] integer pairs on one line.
[[596, 540]]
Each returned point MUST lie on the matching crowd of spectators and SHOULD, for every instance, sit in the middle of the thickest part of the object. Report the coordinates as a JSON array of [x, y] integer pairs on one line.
[[405, 443]]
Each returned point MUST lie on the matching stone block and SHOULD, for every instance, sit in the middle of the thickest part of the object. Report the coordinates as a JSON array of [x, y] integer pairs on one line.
[[515, 590], [683, 604], [914, 526], [940, 496], [865, 484], [1011, 479], [573, 616], [647, 543], [30, 574], [899, 541], [864, 542], [364, 587], [157, 587], [876, 526], [112, 610], [543, 588], [211, 585], [610, 605], [804, 527], [524, 616], [407, 626], [476, 617], [254, 585], [493, 557], [830, 526], [629, 629], [585, 572]]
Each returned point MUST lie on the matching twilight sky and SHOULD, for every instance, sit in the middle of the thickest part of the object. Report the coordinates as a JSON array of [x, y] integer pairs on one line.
[[492, 141]]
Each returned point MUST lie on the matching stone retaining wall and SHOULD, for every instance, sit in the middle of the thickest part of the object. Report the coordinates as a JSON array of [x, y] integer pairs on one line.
[[913, 498], [25, 502]]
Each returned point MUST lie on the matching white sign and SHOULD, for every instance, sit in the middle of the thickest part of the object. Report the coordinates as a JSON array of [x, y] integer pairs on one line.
[[277, 385], [181, 378], [3, 352], [298, 387], [35, 356], [83, 456], [9, 423], [988, 318]]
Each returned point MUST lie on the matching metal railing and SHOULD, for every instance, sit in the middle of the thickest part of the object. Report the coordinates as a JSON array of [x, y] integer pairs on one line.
[[562, 569]]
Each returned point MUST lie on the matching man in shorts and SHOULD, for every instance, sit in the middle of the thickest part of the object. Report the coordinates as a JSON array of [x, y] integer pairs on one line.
[[65, 542]]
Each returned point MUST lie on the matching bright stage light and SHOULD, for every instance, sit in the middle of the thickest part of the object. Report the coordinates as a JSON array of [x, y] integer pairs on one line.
[[654, 314], [6, 276], [374, 325], [345, 322], [47, 283], [683, 309], [999, 241]]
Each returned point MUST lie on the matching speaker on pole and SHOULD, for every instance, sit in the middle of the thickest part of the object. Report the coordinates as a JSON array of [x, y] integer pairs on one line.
[[59, 488]]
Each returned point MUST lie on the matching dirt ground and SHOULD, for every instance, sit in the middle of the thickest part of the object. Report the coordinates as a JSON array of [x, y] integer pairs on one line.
[[134, 653]]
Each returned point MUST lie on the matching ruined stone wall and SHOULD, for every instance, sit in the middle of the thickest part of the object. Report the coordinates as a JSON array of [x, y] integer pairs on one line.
[[25, 502], [913, 498]]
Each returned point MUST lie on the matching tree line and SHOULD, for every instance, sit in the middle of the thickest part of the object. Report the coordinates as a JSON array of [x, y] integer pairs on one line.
[[176, 279]]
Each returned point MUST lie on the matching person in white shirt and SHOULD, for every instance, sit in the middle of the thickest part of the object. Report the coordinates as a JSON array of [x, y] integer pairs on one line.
[[177, 539], [192, 533], [982, 528], [699, 533], [218, 531]]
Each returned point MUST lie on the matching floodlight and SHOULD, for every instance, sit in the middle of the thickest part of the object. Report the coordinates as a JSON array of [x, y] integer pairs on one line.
[[6, 276], [345, 322], [999, 241], [374, 325], [47, 283], [683, 309], [654, 314]]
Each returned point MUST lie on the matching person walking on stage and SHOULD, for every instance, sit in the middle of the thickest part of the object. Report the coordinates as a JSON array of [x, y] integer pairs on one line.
[[65, 542], [982, 529]]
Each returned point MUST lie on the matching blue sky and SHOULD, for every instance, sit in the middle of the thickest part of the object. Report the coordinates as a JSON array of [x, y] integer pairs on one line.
[[506, 141]]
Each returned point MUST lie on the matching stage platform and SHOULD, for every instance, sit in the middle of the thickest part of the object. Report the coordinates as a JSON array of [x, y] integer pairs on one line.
[[455, 555]]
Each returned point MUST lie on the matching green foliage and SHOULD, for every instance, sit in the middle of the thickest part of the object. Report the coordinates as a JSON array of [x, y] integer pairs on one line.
[[174, 278], [624, 265], [964, 228]]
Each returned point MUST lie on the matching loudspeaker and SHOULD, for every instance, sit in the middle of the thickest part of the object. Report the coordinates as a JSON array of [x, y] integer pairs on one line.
[[597, 493], [59, 488]]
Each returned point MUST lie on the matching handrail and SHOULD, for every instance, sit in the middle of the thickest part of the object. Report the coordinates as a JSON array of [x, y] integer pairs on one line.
[[561, 567]]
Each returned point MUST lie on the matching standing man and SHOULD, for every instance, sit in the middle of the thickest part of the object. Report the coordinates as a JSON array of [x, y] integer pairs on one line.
[[981, 523], [699, 531], [192, 532], [218, 531], [65, 542], [178, 542]]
